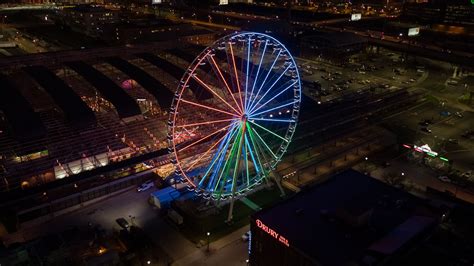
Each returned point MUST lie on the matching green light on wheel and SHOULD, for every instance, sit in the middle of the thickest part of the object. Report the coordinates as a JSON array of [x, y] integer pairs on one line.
[[442, 158], [431, 154]]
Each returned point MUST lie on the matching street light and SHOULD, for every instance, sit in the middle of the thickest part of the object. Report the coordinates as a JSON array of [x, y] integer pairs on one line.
[[403, 173], [148, 262], [366, 158], [208, 234], [247, 261]]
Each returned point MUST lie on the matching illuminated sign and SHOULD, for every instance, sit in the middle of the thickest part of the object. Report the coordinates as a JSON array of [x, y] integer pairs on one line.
[[154, 2], [272, 233], [223, 2], [426, 149], [355, 17], [413, 31]]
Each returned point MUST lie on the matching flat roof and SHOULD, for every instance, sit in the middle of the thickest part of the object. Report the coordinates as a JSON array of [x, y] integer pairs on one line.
[[125, 105], [24, 122], [311, 222], [77, 112], [162, 94], [338, 39]]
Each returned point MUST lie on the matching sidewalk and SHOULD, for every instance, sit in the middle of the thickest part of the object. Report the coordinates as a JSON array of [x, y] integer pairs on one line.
[[215, 246]]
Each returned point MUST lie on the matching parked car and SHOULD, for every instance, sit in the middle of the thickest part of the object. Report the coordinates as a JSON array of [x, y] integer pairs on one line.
[[123, 223], [424, 123], [246, 236], [444, 179], [454, 141], [459, 114], [145, 186], [445, 113], [425, 129]]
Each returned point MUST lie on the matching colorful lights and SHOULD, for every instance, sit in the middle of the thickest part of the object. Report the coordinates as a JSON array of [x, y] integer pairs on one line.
[[272, 233], [425, 149], [235, 143], [443, 159]]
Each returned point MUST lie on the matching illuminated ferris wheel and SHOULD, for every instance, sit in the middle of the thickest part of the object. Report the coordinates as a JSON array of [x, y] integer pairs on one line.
[[234, 114]]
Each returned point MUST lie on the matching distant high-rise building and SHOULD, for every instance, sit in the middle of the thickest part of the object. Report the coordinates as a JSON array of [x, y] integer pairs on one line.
[[452, 12]]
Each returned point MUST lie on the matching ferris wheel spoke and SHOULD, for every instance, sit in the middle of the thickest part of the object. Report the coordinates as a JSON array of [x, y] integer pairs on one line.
[[236, 75], [237, 158], [266, 77], [256, 166], [227, 163], [258, 137], [225, 82], [269, 89], [247, 74], [256, 107], [272, 109], [206, 152], [205, 123], [208, 107], [215, 93], [258, 71], [222, 150], [203, 138], [269, 131], [274, 120], [222, 165], [246, 162]]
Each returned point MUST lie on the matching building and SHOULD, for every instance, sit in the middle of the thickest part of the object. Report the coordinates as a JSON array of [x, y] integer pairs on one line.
[[335, 45], [89, 19], [351, 219], [453, 12]]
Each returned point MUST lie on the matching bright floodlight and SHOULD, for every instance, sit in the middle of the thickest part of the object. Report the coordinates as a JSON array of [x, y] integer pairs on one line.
[[234, 114]]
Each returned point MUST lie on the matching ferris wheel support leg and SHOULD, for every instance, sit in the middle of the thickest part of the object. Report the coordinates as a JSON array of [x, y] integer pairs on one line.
[[277, 178], [234, 178], [231, 210]]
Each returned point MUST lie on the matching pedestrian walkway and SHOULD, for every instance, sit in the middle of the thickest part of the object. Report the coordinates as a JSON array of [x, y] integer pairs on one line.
[[215, 246], [250, 204]]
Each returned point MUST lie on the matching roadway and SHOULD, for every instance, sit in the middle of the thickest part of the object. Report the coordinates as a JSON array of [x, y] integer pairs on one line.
[[229, 249]]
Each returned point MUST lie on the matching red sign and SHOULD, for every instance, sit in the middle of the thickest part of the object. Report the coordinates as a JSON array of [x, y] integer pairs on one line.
[[272, 232]]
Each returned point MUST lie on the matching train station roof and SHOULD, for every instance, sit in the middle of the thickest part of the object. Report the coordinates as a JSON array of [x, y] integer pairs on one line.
[[76, 111], [25, 123], [162, 94], [125, 105]]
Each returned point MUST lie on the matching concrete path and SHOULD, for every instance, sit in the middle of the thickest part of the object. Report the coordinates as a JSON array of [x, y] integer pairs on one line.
[[229, 243]]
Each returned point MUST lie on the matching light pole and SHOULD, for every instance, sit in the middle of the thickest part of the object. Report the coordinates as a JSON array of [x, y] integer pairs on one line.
[[208, 235]]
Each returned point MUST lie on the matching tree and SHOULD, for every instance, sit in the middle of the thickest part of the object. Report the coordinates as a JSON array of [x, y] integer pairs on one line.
[[393, 178]]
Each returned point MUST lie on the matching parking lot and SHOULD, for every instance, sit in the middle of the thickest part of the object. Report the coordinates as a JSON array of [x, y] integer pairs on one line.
[[384, 72]]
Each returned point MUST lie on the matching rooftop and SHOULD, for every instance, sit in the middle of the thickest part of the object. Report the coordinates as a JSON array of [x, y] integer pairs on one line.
[[339, 221], [338, 39]]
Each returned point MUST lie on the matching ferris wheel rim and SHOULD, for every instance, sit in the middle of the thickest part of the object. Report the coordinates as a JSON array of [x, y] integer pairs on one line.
[[188, 75]]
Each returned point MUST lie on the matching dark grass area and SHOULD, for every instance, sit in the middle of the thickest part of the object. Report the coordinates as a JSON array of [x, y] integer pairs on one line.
[[196, 227]]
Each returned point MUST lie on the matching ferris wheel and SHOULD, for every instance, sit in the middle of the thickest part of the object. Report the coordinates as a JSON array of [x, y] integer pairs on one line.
[[234, 114]]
